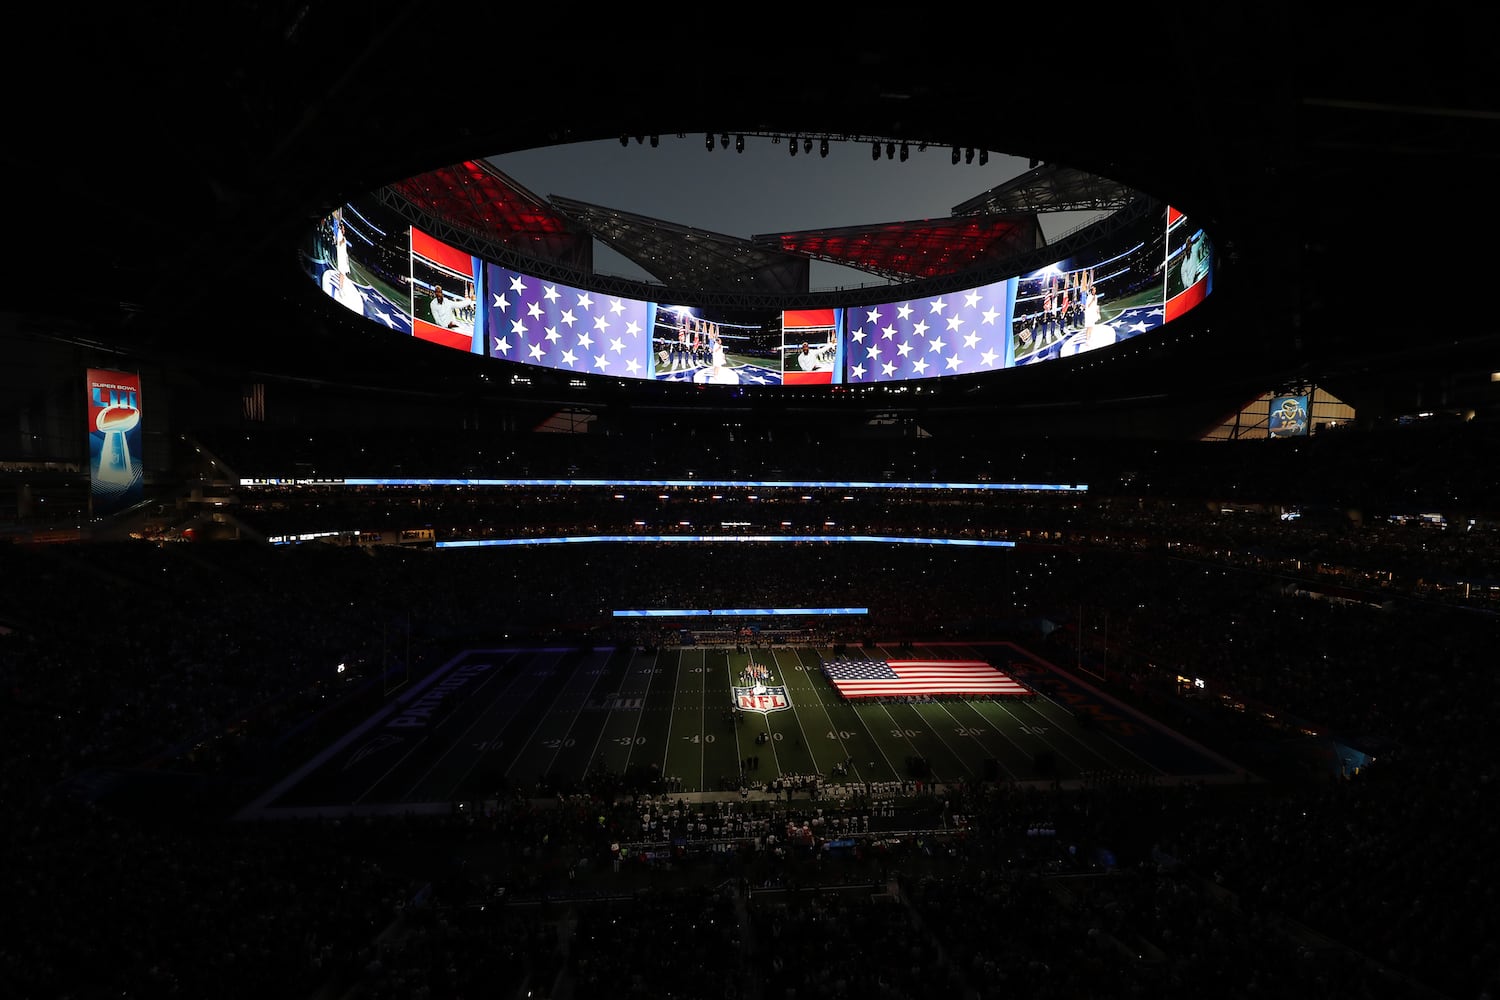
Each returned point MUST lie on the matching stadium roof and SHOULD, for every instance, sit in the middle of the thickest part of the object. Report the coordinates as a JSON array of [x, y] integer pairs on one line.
[[926, 248], [1051, 188], [478, 197], [684, 257], [155, 219]]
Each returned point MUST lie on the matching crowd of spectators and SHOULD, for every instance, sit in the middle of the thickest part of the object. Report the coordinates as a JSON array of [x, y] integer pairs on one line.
[[1425, 466], [152, 687]]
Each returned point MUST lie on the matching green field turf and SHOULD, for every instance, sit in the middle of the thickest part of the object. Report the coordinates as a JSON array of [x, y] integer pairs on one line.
[[544, 721]]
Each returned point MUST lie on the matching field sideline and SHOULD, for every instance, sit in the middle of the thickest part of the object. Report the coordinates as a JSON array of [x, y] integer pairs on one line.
[[540, 721]]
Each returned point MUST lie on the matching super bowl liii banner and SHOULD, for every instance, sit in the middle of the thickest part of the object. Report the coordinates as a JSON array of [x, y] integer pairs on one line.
[[114, 416]]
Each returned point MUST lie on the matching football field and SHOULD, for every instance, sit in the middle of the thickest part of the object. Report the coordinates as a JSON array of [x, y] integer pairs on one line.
[[549, 720]]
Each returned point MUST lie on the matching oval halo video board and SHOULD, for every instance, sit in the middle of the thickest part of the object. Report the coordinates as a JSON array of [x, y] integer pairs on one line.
[[1124, 285]]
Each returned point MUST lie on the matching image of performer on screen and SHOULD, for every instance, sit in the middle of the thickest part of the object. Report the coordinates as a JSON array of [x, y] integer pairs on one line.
[[815, 360], [1096, 332], [1052, 324], [680, 348], [452, 313], [338, 281], [717, 372], [340, 241]]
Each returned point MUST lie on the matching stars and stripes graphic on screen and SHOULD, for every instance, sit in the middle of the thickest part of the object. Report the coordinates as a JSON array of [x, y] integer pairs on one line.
[[957, 333], [538, 322], [918, 678]]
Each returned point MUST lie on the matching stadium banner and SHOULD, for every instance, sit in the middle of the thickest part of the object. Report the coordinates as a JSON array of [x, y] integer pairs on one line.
[[867, 678], [116, 469], [1287, 417]]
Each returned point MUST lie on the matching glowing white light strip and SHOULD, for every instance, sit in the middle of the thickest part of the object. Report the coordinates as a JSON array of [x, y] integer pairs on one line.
[[716, 483], [737, 612], [830, 539]]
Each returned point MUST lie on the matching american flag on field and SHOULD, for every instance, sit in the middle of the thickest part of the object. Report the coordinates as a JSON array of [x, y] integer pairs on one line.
[[918, 678], [957, 333], [538, 322]]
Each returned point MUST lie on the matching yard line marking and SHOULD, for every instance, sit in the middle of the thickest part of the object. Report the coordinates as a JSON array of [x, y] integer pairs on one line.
[[1044, 739], [481, 717], [833, 727], [577, 712], [608, 712], [962, 758], [540, 719], [667, 743], [899, 728], [738, 750], [702, 697], [464, 658], [797, 715], [645, 697]]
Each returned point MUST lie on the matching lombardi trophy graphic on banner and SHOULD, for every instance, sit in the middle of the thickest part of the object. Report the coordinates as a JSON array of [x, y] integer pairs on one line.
[[114, 467]]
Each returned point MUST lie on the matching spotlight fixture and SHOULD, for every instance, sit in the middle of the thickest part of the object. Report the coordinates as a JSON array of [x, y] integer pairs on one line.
[[905, 152], [875, 150], [955, 154], [807, 145], [739, 144], [639, 139], [708, 142], [984, 157], [624, 140], [823, 147], [890, 151], [921, 147], [724, 140], [655, 141], [792, 145], [969, 155]]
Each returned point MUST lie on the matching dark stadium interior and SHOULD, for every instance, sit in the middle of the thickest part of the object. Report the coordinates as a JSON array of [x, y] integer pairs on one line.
[[1337, 592]]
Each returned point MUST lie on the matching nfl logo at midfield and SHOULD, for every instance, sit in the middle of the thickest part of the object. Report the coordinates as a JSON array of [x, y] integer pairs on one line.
[[761, 698]]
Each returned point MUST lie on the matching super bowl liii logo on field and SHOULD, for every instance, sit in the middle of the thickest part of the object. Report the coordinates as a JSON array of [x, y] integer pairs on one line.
[[761, 699]]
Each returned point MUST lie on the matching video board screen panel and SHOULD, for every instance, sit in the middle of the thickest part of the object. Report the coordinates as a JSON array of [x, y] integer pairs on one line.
[[360, 255], [538, 322], [1113, 292], [812, 346], [712, 346], [957, 333], [1125, 284], [444, 284], [1189, 265]]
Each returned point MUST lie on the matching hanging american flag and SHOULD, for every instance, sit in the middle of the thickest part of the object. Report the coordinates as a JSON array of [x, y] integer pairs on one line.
[[538, 322], [918, 678], [957, 333]]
